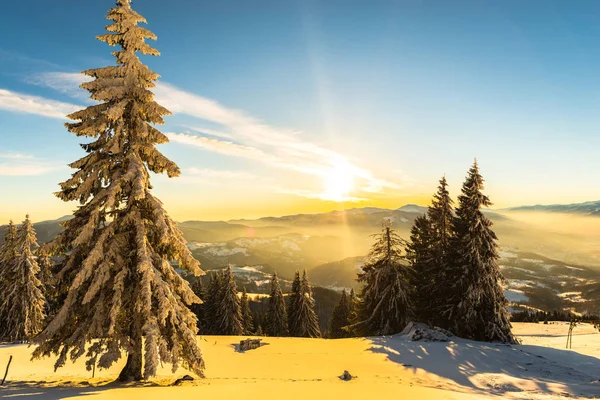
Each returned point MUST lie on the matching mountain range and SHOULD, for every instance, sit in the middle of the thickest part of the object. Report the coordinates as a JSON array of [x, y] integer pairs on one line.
[[544, 267], [591, 208]]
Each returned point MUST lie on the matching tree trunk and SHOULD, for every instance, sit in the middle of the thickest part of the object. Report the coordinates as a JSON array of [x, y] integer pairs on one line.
[[133, 369]]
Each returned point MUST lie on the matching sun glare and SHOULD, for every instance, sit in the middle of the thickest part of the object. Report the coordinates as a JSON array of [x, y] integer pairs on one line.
[[338, 182]]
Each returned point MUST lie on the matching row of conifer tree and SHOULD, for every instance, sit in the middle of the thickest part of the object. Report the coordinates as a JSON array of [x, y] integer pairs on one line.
[[223, 312], [446, 275]]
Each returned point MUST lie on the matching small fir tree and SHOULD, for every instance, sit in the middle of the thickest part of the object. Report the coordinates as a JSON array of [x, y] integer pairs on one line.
[[246, 314], [211, 304], [229, 314], [123, 290], [292, 306], [276, 314], [478, 308], [385, 299], [306, 322], [340, 318], [259, 331], [23, 303]]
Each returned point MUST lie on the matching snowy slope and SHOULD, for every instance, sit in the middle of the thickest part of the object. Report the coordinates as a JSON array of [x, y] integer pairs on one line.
[[386, 367]]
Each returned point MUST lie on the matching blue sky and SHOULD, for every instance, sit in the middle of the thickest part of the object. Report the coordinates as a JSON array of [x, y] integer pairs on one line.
[[290, 106]]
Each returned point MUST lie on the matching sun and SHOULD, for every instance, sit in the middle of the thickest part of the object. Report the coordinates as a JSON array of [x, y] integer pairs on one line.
[[338, 182]]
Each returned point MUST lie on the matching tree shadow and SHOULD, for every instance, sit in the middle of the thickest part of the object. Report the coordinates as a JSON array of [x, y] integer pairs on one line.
[[64, 389], [462, 361]]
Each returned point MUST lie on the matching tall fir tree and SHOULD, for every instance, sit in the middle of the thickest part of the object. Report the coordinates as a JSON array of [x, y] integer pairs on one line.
[[229, 313], [246, 314], [23, 303], [477, 307], [419, 254], [306, 322], [340, 318], [430, 256], [8, 256], [120, 243], [276, 319], [292, 306], [385, 306]]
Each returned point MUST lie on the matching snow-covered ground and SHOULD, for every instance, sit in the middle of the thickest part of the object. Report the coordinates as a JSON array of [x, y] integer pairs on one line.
[[386, 367]]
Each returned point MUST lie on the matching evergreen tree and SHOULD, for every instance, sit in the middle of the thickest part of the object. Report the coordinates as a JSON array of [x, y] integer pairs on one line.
[[292, 306], [229, 314], [478, 308], [23, 303], [119, 245], [276, 314], [353, 303], [259, 331], [429, 255], [340, 318], [246, 314], [419, 254], [198, 308], [385, 306], [440, 215], [211, 304], [306, 322], [8, 256]]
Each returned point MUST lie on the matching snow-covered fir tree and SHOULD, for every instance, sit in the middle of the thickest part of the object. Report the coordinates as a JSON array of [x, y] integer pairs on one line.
[[247, 321], [276, 318], [477, 308], [385, 306], [305, 323], [8, 255], [430, 256], [440, 215], [340, 318], [198, 308], [229, 319], [119, 245], [23, 303]]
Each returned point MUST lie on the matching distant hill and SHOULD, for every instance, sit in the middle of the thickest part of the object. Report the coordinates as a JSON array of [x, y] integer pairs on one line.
[[591, 208]]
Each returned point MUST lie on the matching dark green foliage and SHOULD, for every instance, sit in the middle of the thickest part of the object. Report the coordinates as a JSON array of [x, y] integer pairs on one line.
[[276, 318], [198, 309], [302, 319], [430, 256], [229, 313], [340, 318], [292, 306], [211, 304]]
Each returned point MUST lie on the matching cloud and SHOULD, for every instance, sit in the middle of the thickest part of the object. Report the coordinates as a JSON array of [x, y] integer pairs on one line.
[[65, 82], [24, 165], [239, 135], [24, 103], [220, 174]]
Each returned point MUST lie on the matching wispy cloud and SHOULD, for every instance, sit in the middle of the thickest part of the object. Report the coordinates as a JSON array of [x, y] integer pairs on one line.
[[24, 103], [239, 135], [65, 82], [24, 165]]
